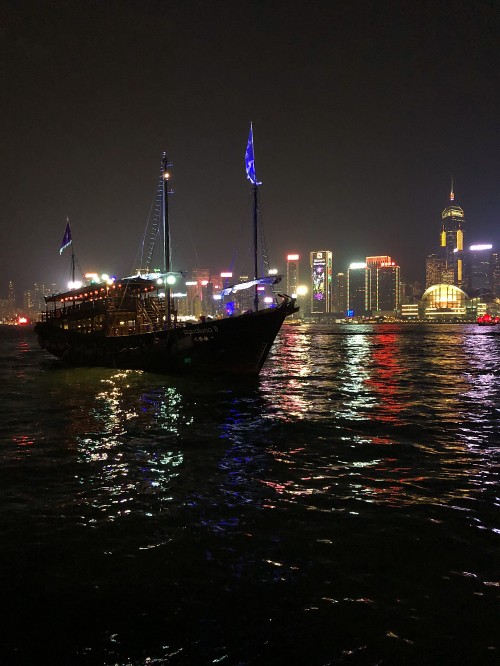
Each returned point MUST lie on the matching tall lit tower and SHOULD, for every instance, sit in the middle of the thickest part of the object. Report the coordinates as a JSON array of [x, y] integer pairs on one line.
[[452, 242], [12, 295], [321, 279], [292, 274], [339, 296]]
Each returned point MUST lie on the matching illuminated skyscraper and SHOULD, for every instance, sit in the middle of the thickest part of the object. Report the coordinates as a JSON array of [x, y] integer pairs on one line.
[[384, 283], [321, 281], [197, 292], [495, 259], [479, 263], [358, 292], [12, 295], [339, 298], [452, 242], [292, 274], [434, 268]]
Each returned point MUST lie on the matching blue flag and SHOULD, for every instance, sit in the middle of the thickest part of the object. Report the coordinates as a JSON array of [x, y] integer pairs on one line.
[[66, 241], [250, 160]]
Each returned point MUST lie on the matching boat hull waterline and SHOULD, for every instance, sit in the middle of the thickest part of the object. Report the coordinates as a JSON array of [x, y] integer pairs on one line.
[[231, 346]]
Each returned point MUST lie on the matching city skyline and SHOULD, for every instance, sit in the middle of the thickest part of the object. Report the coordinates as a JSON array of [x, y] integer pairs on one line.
[[361, 119], [460, 282], [303, 261]]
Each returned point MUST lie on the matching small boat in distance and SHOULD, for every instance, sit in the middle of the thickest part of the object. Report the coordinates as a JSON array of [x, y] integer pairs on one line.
[[487, 320], [132, 323]]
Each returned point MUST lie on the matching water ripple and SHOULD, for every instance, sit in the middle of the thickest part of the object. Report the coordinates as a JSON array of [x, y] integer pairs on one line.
[[341, 509]]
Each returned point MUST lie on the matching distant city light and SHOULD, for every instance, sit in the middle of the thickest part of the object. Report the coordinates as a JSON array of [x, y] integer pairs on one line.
[[170, 279], [292, 257], [273, 271], [357, 264], [226, 275], [301, 290], [74, 285], [476, 248], [268, 299], [191, 284]]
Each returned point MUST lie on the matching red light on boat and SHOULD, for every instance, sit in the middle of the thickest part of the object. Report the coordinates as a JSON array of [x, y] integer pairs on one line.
[[488, 320]]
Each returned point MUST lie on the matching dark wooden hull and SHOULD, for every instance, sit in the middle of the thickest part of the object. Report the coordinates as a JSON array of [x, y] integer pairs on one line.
[[232, 346]]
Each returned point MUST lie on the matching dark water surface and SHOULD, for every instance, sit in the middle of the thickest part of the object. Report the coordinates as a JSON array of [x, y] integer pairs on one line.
[[343, 509]]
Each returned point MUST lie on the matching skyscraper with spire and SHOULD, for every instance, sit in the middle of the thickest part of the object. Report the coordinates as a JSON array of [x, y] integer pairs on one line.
[[452, 242]]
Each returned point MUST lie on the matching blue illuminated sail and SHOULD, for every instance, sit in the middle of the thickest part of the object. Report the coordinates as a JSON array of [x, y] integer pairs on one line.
[[250, 160], [272, 279], [66, 241]]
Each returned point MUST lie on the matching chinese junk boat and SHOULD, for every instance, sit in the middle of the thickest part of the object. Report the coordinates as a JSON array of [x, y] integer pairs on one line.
[[487, 320], [132, 322]]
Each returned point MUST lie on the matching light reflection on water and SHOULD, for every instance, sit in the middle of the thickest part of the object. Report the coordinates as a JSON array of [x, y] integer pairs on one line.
[[378, 414], [131, 451], [341, 506], [427, 400]]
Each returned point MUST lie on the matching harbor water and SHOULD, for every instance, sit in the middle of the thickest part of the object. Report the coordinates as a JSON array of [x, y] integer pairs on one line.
[[341, 509]]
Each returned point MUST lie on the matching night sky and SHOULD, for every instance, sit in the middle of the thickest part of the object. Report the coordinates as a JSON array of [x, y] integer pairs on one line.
[[362, 112]]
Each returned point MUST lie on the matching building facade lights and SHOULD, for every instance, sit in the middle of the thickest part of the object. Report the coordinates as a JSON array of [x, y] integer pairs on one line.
[[321, 281]]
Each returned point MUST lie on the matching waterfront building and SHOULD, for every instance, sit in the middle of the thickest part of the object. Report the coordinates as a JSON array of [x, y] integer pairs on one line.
[[8, 306], [34, 300], [478, 270], [495, 272], [358, 292], [339, 300], [6, 314], [444, 302], [12, 296], [384, 285], [410, 311], [208, 293], [196, 293], [321, 281], [410, 292], [292, 274], [193, 297]]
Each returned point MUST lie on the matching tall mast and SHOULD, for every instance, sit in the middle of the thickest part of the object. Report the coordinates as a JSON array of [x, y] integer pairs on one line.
[[250, 169], [255, 244], [166, 239]]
